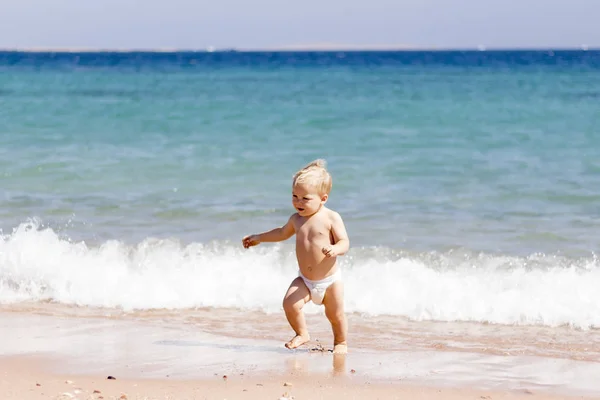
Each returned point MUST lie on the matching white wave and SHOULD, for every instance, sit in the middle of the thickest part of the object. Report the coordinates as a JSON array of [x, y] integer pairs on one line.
[[37, 265]]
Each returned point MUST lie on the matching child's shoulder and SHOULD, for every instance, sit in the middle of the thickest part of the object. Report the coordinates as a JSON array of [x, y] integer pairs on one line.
[[331, 213]]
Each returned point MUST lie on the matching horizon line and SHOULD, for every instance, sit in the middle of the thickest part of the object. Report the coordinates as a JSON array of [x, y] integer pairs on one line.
[[290, 48]]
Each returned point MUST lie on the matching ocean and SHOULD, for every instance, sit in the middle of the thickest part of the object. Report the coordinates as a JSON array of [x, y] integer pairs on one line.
[[468, 182]]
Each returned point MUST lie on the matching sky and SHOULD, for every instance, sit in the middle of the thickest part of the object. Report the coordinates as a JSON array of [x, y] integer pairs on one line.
[[198, 24]]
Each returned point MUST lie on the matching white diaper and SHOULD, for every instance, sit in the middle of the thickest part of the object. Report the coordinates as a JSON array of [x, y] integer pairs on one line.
[[317, 288]]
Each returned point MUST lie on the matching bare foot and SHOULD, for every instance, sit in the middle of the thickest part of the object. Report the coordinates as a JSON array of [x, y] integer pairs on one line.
[[341, 348], [297, 341]]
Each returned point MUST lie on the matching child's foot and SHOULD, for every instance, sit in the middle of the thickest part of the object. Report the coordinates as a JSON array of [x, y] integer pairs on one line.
[[297, 341], [341, 348]]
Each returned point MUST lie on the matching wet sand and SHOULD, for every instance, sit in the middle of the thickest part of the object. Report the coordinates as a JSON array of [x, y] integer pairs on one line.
[[156, 360], [27, 377]]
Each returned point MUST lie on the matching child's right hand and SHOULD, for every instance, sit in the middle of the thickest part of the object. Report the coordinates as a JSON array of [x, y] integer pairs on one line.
[[250, 240]]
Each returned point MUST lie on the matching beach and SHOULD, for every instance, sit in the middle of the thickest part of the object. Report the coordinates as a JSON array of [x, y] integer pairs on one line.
[[25, 381], [154, 360], [466, 180]]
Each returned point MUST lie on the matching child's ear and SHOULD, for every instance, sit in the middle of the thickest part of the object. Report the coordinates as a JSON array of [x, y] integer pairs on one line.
[[324, 198]]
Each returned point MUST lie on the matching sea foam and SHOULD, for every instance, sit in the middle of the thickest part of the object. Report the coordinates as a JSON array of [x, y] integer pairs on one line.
[[37, 264]]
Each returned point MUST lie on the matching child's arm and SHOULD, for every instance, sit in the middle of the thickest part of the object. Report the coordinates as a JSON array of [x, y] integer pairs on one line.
[[275, 235], [340, 238]]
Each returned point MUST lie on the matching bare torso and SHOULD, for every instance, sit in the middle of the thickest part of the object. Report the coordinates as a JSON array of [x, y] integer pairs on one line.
[[312, 234]]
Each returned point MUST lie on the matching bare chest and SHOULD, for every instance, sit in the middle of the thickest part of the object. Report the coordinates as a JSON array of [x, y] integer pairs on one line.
[[313, 232]]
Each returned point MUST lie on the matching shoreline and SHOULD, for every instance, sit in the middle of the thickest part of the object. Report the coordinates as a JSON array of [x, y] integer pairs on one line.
[[161, 357]]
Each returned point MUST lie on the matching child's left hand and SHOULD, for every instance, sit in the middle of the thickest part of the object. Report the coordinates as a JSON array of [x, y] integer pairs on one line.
[[329, 251]]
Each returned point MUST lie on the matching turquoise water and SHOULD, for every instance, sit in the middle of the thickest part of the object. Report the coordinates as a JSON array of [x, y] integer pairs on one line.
[[424, 157]]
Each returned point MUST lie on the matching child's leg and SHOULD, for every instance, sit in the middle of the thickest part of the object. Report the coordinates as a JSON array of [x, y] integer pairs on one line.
[[295, 298], [334, 310]]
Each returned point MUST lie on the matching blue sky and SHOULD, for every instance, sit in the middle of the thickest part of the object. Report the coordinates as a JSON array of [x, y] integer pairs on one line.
[[268, 23]]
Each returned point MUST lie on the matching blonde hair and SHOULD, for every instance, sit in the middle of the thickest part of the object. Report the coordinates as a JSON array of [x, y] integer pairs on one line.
[[315, 174]]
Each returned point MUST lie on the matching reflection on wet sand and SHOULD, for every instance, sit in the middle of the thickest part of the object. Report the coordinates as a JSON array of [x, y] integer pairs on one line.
[[299, 365]]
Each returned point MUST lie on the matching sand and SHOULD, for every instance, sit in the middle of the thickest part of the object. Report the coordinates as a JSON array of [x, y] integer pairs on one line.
[[26, 377], [53, 357]]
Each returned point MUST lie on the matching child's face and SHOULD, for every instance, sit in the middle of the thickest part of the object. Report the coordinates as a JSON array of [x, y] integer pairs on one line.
[[306, 200]]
